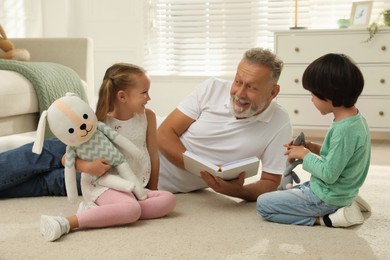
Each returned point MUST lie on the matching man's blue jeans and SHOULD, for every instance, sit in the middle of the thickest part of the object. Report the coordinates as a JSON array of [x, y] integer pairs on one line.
[[25, 174]]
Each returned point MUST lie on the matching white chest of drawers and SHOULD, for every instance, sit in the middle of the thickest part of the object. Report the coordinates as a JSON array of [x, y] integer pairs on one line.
[[298, 48]]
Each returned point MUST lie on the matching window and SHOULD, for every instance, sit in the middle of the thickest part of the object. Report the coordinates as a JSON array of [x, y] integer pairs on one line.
[[208, 38], [21, 18]]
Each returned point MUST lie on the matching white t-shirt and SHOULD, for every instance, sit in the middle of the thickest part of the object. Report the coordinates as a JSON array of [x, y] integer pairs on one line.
[[217, 135]]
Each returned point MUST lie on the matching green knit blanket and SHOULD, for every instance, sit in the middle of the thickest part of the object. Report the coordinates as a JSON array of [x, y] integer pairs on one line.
[[50, 80]]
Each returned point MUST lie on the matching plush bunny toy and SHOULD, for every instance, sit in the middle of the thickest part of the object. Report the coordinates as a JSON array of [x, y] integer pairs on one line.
[[289, 176], [73, 122]]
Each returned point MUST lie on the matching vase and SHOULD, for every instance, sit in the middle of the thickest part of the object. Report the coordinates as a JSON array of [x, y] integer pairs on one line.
[[343, 23]]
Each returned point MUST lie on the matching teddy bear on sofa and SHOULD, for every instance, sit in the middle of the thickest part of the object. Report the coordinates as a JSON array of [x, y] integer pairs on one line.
[[8, 50]]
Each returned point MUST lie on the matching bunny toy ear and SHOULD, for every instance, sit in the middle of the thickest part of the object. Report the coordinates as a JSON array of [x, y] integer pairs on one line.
[[38, 144]]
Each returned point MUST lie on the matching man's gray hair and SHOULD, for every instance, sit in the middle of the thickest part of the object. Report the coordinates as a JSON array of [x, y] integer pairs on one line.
[[265, 57]]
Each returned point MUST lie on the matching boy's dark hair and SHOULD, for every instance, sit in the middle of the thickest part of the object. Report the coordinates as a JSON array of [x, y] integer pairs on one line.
[[334, 77]]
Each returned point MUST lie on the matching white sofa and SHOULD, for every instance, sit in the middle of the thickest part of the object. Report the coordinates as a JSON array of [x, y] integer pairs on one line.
[[19, 112]]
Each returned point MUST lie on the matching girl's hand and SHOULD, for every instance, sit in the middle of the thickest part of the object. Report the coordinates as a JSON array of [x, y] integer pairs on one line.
[[97, 167]]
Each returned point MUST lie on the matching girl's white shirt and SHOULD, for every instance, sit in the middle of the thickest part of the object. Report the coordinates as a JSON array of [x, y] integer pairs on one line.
[[134, 129]]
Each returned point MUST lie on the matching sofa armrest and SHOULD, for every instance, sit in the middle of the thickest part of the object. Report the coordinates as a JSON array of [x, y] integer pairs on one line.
[[75, 53]]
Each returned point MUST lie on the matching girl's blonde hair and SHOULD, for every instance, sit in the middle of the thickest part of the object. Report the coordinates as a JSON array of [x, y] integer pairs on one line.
[[119, 76]]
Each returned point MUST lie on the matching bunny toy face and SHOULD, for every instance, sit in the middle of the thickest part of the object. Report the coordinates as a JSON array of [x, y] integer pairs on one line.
[[71, 120]]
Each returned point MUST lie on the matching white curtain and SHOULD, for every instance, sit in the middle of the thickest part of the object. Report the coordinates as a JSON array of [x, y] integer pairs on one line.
[[208, 37]]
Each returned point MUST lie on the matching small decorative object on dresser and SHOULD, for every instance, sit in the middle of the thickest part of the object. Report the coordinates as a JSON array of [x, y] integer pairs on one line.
[[296, 18], [382, 20], [298, 48], [360, 14], [343, 23]]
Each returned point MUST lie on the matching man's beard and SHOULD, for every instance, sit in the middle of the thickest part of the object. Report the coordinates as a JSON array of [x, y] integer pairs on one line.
[[239, 112]]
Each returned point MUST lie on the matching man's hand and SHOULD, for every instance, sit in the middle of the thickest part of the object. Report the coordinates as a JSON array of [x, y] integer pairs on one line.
[[230, 188], [236, 188]]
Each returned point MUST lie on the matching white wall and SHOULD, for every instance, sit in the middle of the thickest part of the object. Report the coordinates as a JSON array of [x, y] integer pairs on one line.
[[167, 92]]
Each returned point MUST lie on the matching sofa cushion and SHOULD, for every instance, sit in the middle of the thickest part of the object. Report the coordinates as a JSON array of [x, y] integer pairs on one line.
[[18, 124], [17, 95], [13, 141]]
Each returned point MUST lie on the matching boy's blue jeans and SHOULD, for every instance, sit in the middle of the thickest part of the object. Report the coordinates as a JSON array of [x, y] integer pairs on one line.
[[25, 174], [299, 206]]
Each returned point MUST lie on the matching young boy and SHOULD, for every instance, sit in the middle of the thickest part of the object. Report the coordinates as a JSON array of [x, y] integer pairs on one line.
[[339, 167]]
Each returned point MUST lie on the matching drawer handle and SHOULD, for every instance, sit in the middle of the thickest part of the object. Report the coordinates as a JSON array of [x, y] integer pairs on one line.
[[383, 48], [382, 81], [381, 113], [296, 111], [296, 81], [297, 49]]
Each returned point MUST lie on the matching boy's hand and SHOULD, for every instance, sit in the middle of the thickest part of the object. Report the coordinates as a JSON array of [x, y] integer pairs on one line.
[[296, 152]]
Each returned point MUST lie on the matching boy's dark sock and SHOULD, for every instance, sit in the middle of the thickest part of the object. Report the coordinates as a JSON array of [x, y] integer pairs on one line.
[[327, 220]]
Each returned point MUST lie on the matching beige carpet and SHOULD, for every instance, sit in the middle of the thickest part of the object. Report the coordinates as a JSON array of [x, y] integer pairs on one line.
[[204, 225]]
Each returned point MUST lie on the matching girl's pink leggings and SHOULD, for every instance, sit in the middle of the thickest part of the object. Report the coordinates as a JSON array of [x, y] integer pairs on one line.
[[118, 208]]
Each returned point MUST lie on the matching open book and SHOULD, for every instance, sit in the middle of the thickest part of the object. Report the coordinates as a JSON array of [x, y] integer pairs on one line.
[[195, 164]]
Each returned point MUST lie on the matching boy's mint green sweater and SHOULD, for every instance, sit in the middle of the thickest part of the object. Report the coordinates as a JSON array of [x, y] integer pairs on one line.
[[340, 171]]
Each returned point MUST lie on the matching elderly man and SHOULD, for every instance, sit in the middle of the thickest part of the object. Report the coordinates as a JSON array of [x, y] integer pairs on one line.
[[226, 121]]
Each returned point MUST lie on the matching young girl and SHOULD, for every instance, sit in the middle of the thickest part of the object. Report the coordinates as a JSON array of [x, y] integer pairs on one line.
[[121, 105], [339, 167]]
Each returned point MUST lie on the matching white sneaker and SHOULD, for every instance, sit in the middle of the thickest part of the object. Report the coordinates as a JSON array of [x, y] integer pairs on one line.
[[347, 216], [53, 227], [363, 205], [85, 206]]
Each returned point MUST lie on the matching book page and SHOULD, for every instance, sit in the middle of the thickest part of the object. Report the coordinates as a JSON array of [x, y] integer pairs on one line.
[[231, 170], [195, 164]]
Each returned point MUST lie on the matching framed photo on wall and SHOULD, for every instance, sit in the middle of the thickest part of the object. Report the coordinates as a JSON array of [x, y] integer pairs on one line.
[[360, 14]]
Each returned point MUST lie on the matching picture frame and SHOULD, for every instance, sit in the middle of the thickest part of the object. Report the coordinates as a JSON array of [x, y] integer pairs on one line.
[[360, 14]]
